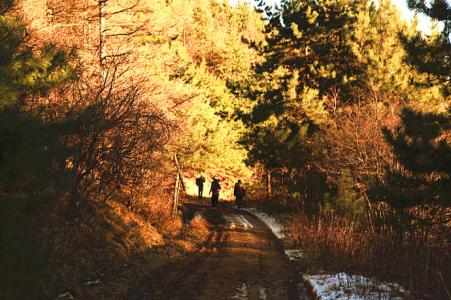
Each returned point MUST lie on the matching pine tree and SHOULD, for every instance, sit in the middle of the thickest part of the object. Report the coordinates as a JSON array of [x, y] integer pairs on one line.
[[191, 57], [25, 155], [421, 144], [380, 50], [307, 54], [378, 47], [432, 54], [422, 147], [29, 150]]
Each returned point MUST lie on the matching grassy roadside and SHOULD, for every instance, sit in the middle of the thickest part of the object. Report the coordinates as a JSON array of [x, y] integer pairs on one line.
[[417, 259], [104, 255], [190, 233]]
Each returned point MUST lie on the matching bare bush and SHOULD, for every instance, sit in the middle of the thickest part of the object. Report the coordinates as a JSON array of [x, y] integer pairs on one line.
[[118, 140], [111, 135], [353, 142]]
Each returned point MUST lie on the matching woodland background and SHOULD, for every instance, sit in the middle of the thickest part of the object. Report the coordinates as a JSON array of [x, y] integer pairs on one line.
[[337, 111]]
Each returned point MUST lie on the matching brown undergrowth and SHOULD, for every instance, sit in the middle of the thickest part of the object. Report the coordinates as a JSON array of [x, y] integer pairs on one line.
[[99, 253], [417, 258], [411, 251], [94, 256]]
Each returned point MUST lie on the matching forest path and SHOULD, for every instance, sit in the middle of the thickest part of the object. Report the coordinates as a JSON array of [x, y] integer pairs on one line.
[[243, 260]]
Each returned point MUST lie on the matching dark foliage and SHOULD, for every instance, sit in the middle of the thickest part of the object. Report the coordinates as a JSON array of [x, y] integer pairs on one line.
[[422, 147], [432, 56]]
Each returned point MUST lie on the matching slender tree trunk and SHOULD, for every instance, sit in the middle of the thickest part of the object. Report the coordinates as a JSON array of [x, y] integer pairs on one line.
[[370, 212], [178, 184], [268, 184], [102, 36], [176, 196]]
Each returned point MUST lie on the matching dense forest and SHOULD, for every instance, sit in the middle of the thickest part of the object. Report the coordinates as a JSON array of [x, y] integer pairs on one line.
[[337, 111]]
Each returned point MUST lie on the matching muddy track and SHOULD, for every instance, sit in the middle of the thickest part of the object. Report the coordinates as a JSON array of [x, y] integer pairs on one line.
[[163, 288], [243, 260]]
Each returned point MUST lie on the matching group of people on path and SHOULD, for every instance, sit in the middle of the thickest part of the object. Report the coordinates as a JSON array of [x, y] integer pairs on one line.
[[238, 191]]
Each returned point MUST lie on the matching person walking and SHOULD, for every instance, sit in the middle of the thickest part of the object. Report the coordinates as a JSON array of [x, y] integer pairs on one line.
[[200, 186], [214, 191], [239, 192]]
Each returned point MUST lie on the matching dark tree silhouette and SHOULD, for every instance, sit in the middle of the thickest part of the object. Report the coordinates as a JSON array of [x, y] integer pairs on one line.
[[422, 148]]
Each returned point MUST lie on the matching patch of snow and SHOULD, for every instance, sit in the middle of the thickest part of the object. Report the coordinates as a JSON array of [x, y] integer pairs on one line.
[[93, 282], [231, 220], [272, 223], [245, 222], [294, 254], [352, 287], [198, 216], [238, 221], [262, 293], [67, 295], [241, 292]]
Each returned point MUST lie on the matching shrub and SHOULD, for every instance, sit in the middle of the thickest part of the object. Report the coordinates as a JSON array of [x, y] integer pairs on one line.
[[414, 256]]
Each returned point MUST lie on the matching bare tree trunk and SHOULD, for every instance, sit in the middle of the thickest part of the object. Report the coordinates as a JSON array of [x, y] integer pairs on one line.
[[176, 196], [268, 184], [370, 215], [102, 36], [178, 183]]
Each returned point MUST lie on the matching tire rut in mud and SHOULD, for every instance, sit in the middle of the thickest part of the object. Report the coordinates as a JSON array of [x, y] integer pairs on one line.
[[239, 262], [187, 287]]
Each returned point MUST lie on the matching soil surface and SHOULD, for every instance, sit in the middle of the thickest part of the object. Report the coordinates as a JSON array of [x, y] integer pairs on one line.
[[242, 260]]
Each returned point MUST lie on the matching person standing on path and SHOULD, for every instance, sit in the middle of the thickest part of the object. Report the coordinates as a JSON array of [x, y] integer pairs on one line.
[[214, 190], [200, 185], [239, 193]]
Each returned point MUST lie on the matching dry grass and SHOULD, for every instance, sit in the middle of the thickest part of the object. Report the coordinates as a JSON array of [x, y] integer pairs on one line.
[[197, 230], [417, 258], [119, 247], [98, 252], [102, 246], [158, 212]]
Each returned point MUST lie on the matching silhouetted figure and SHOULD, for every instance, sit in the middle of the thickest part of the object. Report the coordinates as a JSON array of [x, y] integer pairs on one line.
[[200, 186], [214, 190], [239, 193]]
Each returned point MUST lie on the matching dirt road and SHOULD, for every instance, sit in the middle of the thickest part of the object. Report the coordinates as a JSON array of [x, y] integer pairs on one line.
[[243, 260]]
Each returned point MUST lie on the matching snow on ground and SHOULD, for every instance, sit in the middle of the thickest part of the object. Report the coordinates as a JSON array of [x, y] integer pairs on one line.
[[198, 216], [338, 286], [352, 287], [67, 295], [241, 292], [277, 229], [238, 221], [294, 254], [262, 293], [272, 223], [92, 282], [245, 222]]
